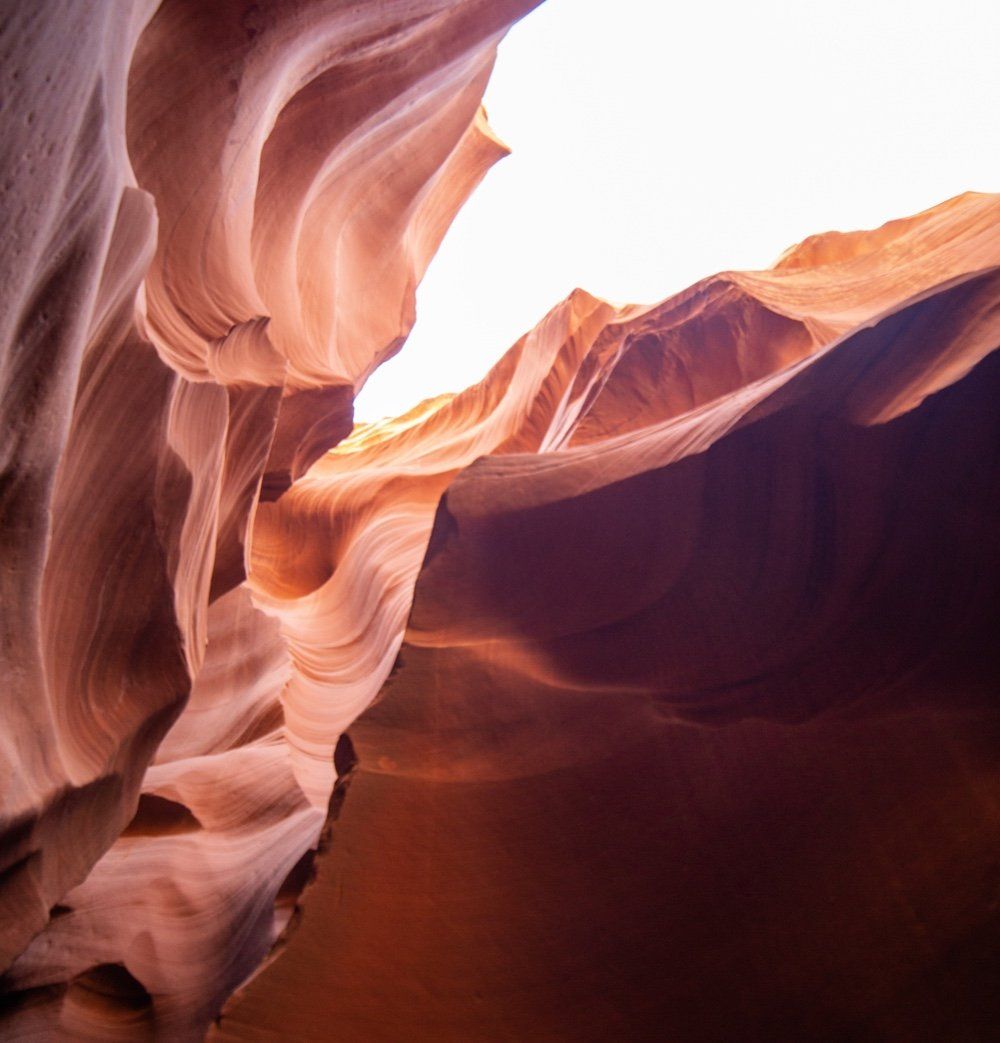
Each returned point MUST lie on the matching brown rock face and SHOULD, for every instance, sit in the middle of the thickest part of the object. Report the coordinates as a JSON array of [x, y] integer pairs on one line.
[[689, 609], [692, 733]]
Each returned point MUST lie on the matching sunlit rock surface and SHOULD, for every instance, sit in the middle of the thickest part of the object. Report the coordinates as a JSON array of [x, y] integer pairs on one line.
[[215, 219], [693, 730], [689, 609]]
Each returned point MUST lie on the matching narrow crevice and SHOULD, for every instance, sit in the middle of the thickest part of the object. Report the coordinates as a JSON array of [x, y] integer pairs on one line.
[[300, 878]]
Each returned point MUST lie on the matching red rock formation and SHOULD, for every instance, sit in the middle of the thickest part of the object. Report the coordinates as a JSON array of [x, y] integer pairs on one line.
[[691, 729], [691, 732], [191, 297]]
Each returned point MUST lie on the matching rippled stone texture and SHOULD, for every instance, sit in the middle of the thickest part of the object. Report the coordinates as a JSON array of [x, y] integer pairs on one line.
[[215, 219], [692, 733], [666, 651]]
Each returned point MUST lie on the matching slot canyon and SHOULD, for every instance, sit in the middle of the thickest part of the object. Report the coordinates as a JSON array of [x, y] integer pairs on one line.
[[644, 690]]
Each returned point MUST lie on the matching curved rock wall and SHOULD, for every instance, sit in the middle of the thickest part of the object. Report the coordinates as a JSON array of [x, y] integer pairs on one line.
[[687, 607], [692, 730], [217, 217]]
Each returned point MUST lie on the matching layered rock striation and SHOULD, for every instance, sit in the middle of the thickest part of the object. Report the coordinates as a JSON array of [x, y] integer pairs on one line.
[[216, 219], [644, 690], [692, 733]]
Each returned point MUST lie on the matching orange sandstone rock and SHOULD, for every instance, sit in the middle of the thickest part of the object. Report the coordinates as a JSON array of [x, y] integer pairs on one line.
[[691, 730], [664, 655]]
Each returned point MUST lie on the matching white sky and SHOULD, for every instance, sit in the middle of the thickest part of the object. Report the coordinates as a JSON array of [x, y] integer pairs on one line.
[[658, 141]]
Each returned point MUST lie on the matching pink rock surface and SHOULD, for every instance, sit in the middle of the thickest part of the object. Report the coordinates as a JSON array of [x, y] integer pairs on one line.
[[666, 651], [217, 215]]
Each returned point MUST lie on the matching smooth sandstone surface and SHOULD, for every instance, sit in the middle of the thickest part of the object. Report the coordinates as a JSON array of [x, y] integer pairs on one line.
[[693, 730], [215, 219], [644, 690]]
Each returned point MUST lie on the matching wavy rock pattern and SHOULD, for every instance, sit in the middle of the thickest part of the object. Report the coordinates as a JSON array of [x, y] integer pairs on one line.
[[194, 289], [691, 731]]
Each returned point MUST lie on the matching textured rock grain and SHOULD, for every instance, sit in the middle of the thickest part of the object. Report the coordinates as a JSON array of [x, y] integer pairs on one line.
[[692, 728], [216, 217]]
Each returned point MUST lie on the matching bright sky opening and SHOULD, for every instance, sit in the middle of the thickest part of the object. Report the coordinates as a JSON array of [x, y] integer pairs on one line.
[[655, 143]]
